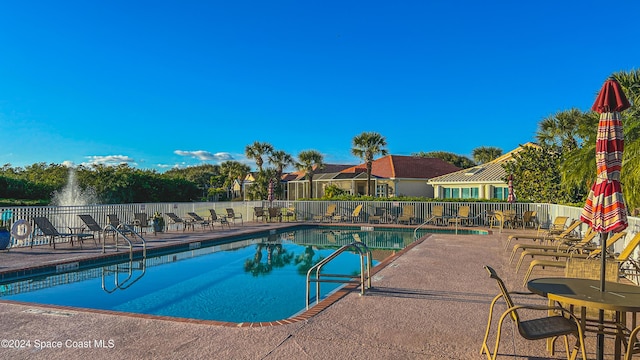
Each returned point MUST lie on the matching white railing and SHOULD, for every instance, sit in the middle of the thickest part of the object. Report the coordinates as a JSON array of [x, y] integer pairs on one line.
[[64, 217]]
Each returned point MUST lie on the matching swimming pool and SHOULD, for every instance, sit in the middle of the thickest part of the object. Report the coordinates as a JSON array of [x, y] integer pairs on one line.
[[251, 279], [257, 279]]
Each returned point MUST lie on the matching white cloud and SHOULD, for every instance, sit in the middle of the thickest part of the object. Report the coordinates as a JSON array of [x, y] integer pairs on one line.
[[205, 155], [109, 160]]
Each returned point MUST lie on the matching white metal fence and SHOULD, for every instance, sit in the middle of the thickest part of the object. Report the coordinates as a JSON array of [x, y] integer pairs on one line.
[[64, 217]]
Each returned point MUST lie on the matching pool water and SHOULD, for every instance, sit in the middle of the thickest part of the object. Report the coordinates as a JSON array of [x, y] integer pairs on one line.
[[252, 280]]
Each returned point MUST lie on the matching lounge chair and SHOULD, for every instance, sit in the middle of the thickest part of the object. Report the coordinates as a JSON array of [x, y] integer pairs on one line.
[[563, 323], [436, 217], [378, 215], [558, 225], [580, 249], [567, 237], [408, 215], [231, 215], [275, 213], [561, 264], [356, 214], [497, 219], [50, 231], [118, 225], [199, 220], [176, 220], [529, 220], [328, 214], [92, 225], [289, 213], [549, 234], [141, 221], [462, 217], [259, 213], [214, 218]]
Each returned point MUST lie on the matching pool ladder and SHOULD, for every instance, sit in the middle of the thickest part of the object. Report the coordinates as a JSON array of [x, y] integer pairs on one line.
[[365, 271], [121, 231]]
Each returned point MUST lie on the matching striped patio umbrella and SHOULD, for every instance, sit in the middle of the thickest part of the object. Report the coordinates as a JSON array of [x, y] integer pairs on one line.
[[270, 196], [605, 210], [512, 195]]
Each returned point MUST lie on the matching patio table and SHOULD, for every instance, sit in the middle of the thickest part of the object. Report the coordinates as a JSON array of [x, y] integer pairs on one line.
[[618, 297]]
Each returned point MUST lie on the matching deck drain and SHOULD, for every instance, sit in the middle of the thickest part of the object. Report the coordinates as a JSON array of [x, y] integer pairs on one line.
[[49, 312], [377, 277]]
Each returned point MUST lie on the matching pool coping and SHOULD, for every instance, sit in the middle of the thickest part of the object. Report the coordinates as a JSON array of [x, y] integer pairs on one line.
[[303, 315]]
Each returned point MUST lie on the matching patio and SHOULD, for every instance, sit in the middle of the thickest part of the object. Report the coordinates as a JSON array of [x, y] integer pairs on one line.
[[429, 303]]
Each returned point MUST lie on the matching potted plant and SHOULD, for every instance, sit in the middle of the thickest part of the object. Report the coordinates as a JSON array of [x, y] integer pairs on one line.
[[158, 222]]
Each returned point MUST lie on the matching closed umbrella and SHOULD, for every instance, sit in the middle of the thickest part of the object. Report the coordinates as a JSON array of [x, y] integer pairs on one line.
[[605, 210], [270, 196], [512, 195]]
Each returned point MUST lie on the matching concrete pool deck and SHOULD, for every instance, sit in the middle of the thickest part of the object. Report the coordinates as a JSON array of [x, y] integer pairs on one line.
[[431, 302]]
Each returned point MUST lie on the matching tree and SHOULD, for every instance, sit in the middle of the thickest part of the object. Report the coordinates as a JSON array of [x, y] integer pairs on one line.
[[579, 166], [561, 130], [462, 162], [366, 146], [484, 154], [256, 151], [630, 174], [233, 170], [200, 174], [280, 160], [537, 175], [258, 190], [308, 162]]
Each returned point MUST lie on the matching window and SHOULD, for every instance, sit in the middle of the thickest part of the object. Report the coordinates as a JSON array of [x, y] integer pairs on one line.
[[470, 193], [500, 193], [381, 190]]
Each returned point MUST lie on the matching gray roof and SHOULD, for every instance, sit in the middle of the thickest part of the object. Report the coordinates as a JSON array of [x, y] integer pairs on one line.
[[490, 172]]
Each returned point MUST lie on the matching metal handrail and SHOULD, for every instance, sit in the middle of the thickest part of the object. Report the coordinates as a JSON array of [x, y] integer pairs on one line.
[[415, 231], [118, 231], [365, 270]]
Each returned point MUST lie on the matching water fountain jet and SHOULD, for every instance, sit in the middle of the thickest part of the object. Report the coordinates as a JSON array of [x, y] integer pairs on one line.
[[72, 194]]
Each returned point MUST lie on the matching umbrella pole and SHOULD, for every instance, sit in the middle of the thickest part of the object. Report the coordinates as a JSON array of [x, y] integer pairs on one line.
[[603, 255]]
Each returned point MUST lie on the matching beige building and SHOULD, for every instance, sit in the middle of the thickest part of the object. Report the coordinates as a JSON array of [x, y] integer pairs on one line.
[[392, 176], [486, 181]]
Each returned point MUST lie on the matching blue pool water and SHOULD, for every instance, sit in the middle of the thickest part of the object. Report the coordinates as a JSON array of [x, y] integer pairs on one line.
[[250, 280]]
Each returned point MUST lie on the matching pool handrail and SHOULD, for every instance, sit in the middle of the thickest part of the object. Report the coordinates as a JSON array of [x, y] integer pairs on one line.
[[365, 268], [121, 230]]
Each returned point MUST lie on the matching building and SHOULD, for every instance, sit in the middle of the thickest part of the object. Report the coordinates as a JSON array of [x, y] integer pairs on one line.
[[485, 181], [392, 176]]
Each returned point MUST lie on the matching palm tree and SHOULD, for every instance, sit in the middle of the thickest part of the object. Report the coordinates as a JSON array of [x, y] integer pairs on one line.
[[366, 146], [630, 175], [578, 167], [280, 160], [561, 130], [256, 150], [233, 170], [484, 154], [308, 162]]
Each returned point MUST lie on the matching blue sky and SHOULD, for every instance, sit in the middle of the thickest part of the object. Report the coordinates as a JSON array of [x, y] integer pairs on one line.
[[159, 84]]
